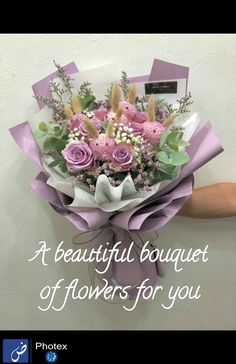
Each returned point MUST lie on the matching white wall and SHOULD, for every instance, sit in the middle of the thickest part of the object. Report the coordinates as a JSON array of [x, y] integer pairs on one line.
[[25, 219]]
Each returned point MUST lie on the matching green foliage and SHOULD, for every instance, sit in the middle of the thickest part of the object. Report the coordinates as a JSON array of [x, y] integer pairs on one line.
[[54, 129], [183, 105], [163, 138], [163, 157], [173, 158], [124, 84], [85, 90], [178, 158], [87, 102], [165, 172], [120, 175], [61, 72], [43, 126], [54, 163], [39, 134], [53, 143], [169, 155], [50, 144], [62, 165]]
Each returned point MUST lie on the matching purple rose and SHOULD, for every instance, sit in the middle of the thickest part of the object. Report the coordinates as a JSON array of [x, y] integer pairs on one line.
[[123, 156], [83, 130], [78, 156]]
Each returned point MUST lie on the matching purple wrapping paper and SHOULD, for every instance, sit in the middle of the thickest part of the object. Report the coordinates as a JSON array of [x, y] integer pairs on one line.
[[148, 217], [162, 70]]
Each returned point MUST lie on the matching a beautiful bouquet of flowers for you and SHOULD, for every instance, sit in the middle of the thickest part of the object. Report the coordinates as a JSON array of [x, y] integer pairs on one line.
[[116, 155]]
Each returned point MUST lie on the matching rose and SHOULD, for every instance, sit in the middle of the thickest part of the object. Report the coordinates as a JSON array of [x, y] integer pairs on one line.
[[78, 156], [123, 156], [83, 130]]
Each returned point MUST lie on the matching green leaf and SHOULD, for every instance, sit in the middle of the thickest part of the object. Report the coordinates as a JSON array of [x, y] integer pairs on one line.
[[167, 168], [81, 99], [54, 144], [39, 134], [163, 138], [64, 137], [55, 163], [43, 126], [86, 101], [162, 175], [55, 155], [133, 174], [163, 157], [50, 144], [178, 158], [174, 137], [54, 129], [61, 144], [63, 166], [183, 143], [120, 176], [173, 147]]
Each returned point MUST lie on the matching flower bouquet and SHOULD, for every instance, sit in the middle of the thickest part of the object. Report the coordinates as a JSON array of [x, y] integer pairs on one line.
[[118, 167]]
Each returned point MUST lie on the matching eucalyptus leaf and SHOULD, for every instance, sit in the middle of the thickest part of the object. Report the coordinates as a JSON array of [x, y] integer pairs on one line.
[[174, 137], [163, 138], [163, 157], [160, 176], [179, 158], [43, 126], [39, 134], [54, 129], [173, 147], [183, 143], [167, 168]]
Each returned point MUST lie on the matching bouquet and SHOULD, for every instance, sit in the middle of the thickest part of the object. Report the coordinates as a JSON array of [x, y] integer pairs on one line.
[[119, 167]]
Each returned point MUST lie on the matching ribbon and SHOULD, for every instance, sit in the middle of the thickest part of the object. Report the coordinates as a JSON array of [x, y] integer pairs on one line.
[[122, 273]]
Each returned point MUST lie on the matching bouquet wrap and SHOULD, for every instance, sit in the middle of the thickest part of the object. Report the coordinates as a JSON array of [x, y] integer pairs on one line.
[[136, 220]]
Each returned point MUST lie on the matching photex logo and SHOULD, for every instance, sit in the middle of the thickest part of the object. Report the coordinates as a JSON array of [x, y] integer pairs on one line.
[[15, 351], [51, 356]]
